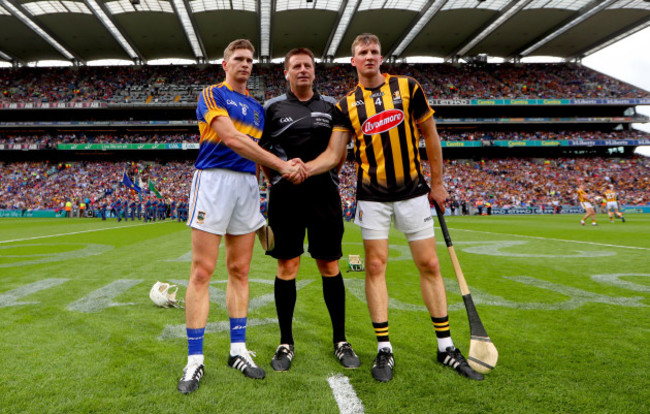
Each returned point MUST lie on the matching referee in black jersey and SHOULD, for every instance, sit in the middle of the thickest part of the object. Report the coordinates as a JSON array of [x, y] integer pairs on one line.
[[298, 125]]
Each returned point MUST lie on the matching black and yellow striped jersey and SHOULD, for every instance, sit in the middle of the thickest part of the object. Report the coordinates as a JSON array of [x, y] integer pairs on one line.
[[384, 122]]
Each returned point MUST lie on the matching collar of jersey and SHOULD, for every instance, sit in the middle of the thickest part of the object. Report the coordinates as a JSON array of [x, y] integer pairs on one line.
[[385, 75], [294, 97], [227, 85]]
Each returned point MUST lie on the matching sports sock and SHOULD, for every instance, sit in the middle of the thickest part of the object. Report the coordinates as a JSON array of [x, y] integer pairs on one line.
[[381, 330], [237, 348], [334, 294], [195, 341], [443, 332], [285, 303], [195, 360], [237, 335], [382, 345]]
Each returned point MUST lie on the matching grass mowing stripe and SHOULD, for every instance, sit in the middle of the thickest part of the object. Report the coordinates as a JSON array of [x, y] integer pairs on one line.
[[80, 232], [554, 239]]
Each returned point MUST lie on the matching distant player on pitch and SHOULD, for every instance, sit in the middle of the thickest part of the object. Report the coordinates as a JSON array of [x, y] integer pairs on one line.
[[387, 115], [611, 197], [298, 125], [585, 202], [225, 203]]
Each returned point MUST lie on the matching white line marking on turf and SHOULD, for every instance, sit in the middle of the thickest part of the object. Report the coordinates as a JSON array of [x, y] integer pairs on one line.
[[560, 240], [79, 232], [344, 395]]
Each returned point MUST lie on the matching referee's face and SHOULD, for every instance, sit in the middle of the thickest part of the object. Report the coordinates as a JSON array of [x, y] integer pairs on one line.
[[301, 72]]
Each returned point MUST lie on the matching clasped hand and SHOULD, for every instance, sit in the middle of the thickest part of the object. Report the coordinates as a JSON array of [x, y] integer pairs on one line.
[[295, 171]]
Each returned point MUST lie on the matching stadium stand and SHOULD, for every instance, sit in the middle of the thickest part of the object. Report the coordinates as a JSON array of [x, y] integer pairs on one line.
[[182, 84], [71, 133]]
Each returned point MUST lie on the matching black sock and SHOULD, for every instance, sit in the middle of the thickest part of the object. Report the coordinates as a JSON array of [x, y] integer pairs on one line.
[[334, 294], [441, 325], [381, 330], [285, 302]]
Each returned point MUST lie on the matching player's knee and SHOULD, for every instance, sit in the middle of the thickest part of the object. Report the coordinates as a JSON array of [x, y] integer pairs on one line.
[[375, 266], [429, 266], [201, 273], [238, 270]]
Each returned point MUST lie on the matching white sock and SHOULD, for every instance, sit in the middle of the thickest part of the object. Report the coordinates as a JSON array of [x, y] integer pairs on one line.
[[382, 345], [237, 348], [444, 343], [195, 359]]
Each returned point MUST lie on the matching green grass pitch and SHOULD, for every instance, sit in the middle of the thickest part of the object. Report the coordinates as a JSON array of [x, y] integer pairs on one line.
[[568, 308]]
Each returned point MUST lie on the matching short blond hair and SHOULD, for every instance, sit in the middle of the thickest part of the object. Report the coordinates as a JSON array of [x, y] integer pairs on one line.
[[365, 39], [237, 44]]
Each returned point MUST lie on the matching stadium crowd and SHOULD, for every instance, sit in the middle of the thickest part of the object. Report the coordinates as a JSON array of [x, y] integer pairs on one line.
[[43, 186], [516, 182], [51, 141], [507, 182], [175, 83], [479, 135]]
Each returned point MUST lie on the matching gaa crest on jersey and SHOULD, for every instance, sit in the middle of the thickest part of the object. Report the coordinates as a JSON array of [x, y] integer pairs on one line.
[[256, 117], [382, 122], [200, 217]]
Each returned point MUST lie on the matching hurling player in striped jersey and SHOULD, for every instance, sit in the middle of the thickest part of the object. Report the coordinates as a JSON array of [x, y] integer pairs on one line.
[[585, 202], [387, 115], [611, 197]]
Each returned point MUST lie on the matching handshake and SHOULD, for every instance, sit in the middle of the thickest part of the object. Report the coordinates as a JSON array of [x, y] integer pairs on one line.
[[294, 170]]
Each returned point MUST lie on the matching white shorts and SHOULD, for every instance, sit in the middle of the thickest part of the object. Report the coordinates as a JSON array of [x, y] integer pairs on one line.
[[612, 205], [225, 202], [586, 205], [412, 217]]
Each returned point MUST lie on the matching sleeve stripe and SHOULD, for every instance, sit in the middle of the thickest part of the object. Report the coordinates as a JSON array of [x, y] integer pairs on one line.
[[212, 101], [205, 99]]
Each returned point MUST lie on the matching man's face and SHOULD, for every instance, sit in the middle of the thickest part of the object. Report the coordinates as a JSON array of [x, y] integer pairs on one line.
[[239, 66], [367, 59], [301, 71]]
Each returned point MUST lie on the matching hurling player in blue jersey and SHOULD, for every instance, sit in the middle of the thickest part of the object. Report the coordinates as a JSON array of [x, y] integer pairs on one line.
[[225, 203]]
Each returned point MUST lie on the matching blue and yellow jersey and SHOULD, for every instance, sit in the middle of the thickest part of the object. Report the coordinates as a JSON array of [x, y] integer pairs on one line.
[[245, 113]]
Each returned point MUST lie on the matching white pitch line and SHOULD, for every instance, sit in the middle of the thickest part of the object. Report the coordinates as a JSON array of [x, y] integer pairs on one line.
[[344, 394], [560, 240], [80, 232]]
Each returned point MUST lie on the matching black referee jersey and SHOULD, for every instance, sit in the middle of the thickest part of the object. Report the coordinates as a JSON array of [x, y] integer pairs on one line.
[[295, 129]]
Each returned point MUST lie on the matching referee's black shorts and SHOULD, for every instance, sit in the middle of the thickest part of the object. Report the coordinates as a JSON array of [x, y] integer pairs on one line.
[[314, 207]]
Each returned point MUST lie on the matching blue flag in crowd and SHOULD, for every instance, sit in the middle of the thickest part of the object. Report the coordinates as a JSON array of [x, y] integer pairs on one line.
[[127, 182]]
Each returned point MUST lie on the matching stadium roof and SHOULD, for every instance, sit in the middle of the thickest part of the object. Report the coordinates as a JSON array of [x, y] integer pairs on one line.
[[143, 30]]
